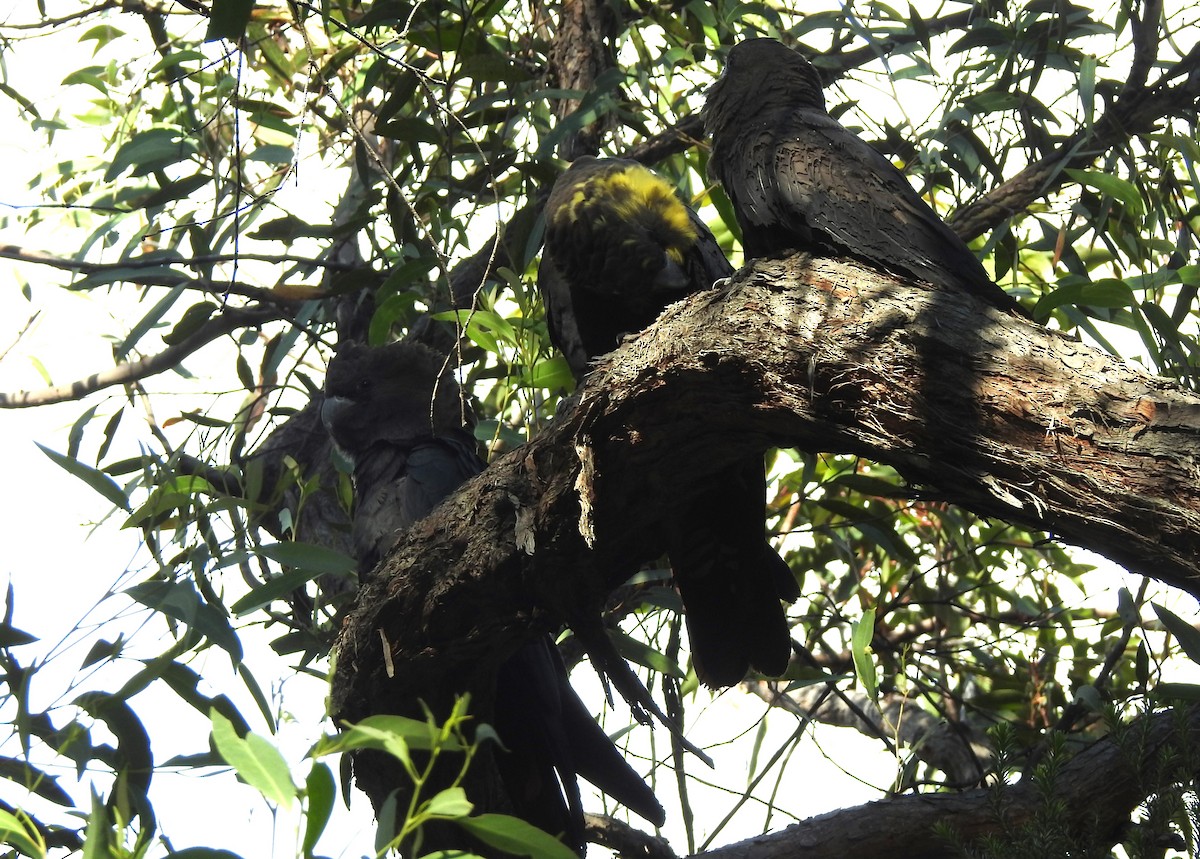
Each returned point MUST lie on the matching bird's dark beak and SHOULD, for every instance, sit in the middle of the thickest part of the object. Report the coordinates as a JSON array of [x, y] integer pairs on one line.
[[331, 410], [672, 277]]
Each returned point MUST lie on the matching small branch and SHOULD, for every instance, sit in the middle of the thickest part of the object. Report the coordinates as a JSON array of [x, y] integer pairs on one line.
[[1131, 115], [280, 294], [1145, 47], [47, 23], [26, 255], [960, 752], [625, 840], [131, 371]]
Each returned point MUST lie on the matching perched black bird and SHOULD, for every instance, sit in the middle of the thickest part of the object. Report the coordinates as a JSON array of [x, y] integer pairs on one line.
[[400, 420], [799, 180], [620, 247]]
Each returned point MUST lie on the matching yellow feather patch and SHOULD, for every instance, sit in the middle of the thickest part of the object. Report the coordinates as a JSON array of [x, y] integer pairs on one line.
[[636, 194]]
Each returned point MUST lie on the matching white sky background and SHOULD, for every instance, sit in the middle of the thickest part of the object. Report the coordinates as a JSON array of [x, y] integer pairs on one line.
[[61, 566]]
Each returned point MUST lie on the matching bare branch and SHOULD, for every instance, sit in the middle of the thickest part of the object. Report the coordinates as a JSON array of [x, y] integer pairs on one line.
[[281, 294], [957, 750], [625, 840], [27, 255], [49, 23], [1145, 46], [131, 371]]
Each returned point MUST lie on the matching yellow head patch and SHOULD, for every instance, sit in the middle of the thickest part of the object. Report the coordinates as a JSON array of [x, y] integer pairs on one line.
[[633, 194], [639, 195]]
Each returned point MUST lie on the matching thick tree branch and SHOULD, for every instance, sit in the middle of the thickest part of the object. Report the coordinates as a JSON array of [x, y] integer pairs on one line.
[[979, 408], [1097, 791]]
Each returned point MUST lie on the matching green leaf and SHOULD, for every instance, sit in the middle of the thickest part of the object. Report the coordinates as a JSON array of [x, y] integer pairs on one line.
[[320, 789], [860, 645], [150, 150], [1073, 290], [273, 153], [98, 835], [866, 484], [310, 557], [185, 683], [1176, 692], [101, 35], [177, 493], [271, 590], [10, 636], [188, 324], [386, 733], [152, 318], [1111, 185], [1186, 634], [98, 480], [75, 436], [129, 273], [451, 803], [516, 837], [552, 374], [20, 832], [180, 601], [485, 328], [258, 762], [643, 654], [176, 189], [88, 77], [228, 19], [29, 777]]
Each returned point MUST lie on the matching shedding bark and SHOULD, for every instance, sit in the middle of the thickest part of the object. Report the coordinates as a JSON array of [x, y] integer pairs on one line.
[[971, 405]]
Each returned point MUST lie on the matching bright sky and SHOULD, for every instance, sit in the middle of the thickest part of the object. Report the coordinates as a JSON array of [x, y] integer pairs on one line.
[[62, 568]]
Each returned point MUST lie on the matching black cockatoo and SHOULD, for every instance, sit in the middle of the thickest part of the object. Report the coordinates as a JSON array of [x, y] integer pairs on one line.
[[400, 419], [621, 246], [799, 180]]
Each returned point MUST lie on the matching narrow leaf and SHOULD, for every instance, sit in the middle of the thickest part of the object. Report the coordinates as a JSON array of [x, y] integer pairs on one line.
[[320, 789], [516, 837], [1186, 634], [257, 761], [94, 478], [860, 644], [20, 834]]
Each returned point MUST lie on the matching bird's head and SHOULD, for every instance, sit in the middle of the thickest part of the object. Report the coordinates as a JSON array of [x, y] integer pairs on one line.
[[617, 212], [402, 392], [760, 75]]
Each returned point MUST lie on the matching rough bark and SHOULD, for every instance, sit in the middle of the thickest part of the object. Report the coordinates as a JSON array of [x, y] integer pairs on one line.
[[579, 55], [1097, 789], [980, 408]]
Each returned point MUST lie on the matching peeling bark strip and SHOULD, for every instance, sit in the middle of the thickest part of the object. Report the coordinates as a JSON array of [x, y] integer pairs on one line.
[[974, 406]]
